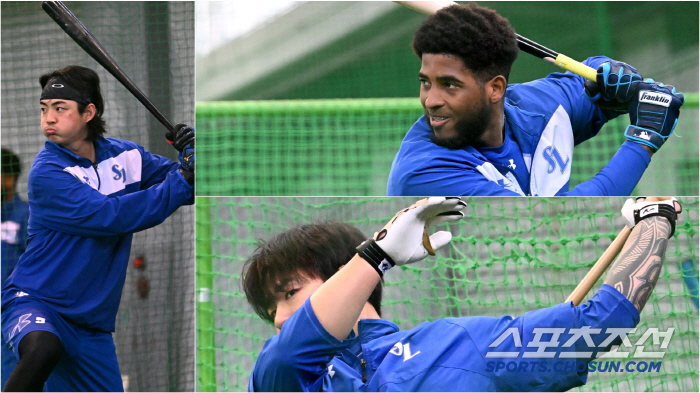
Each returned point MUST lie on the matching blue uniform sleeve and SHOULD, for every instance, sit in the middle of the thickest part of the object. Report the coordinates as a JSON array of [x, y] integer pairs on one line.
[[154, 168], [619, 176], [296, 359], [607, 309], [63, 203], [567, 90]]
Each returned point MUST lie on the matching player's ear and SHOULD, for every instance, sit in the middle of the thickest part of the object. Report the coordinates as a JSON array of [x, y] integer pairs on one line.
[[496, 89], [341, 266], [89, 112]]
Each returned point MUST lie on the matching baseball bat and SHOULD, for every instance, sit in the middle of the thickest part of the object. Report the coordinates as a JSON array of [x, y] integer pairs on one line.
[[75, 30], [599, 268], [524, 44]]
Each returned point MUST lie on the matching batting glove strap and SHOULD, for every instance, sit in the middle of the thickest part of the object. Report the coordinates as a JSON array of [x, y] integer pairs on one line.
[[370, 251], [636, 212], [645, 136]]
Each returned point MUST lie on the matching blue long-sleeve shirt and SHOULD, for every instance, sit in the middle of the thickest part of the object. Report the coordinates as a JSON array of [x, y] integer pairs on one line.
[[81, 222], [545, 119], [445, 355]]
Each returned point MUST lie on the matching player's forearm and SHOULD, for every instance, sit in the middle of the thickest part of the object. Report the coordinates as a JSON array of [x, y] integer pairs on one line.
[[637, 269], [619, 176], [340, 300]]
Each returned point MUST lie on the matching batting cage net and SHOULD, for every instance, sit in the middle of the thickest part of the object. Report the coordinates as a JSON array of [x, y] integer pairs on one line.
[[153, 42], [346, 147], [508, 256]]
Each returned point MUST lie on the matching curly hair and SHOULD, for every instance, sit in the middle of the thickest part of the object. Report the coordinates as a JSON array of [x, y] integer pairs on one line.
[[482, 39], [87, 81], [316, 250]]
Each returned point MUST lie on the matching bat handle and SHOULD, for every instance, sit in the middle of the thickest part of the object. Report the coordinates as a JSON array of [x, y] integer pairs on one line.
[[574, 66], [599, 268]]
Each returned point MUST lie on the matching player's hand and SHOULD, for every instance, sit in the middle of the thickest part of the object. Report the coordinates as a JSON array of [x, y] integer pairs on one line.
[[405, 240], [654, 112], [634, 211], [182, 137], [615, 82], [186, 157]]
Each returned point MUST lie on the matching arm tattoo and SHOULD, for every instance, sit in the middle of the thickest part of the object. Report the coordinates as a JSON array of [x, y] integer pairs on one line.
[[637, 268]]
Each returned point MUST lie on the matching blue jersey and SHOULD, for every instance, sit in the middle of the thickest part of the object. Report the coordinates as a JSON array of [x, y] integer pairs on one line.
[[15, 214], [449, 354], [82, 217], [545, 119]]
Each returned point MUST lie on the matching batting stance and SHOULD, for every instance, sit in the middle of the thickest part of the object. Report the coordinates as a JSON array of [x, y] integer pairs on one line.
[[480, 136], [87, 196], [327, 310]]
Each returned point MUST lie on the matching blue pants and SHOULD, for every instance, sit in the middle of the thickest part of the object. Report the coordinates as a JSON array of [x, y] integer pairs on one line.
[[89, 358]]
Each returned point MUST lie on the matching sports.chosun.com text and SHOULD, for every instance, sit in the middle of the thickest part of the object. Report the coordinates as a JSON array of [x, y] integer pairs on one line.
[[571, 365]]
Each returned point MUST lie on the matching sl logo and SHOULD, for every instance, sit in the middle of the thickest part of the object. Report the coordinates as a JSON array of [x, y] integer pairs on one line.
[[120, 173], [404, 350], [551, 154]]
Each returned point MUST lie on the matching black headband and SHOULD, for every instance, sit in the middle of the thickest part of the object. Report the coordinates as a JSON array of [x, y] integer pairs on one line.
[[57, 88]]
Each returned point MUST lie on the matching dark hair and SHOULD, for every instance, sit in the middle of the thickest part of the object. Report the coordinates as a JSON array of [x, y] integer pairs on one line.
[[317, 250], [11, 165], [86, 81], [482, 39]]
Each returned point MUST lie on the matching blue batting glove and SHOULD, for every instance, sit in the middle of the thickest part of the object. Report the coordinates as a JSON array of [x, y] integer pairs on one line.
[[186, 157], [614, 86], [654, 112]]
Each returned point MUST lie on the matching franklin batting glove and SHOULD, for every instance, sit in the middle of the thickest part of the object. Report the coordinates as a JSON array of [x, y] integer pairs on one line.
[[614, 86], [405, 239], [654, 112]]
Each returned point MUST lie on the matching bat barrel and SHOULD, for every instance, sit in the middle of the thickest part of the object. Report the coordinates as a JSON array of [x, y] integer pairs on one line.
[[79, 33]]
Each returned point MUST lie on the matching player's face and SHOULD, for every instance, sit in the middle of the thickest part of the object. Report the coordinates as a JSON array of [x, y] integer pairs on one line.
[[291, 295], [62, 124], [454, 101]]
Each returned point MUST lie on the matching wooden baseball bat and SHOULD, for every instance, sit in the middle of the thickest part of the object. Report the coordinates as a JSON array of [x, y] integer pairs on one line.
[[599, 268]]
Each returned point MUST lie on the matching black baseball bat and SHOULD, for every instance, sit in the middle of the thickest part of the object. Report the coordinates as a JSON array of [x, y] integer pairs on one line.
[[75, 30]]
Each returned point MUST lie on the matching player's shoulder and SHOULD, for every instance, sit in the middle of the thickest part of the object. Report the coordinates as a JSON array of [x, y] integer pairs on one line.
[[49, 157], [544, 95], [423, 168], [120, 144]]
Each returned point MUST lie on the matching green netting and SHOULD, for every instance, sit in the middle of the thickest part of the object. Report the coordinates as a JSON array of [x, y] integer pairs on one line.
[[508, 256], [345, 147], [153, 42]]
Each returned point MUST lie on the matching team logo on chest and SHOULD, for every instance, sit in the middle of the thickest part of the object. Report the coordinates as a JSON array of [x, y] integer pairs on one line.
[[554, 159], [120, 173], [512, 164]]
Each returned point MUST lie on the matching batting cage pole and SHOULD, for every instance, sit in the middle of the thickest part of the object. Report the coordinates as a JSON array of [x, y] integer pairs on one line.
[[206, 357]]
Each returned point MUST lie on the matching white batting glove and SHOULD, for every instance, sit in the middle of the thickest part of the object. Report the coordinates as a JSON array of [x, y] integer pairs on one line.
[[634, 211], [405, 239]]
